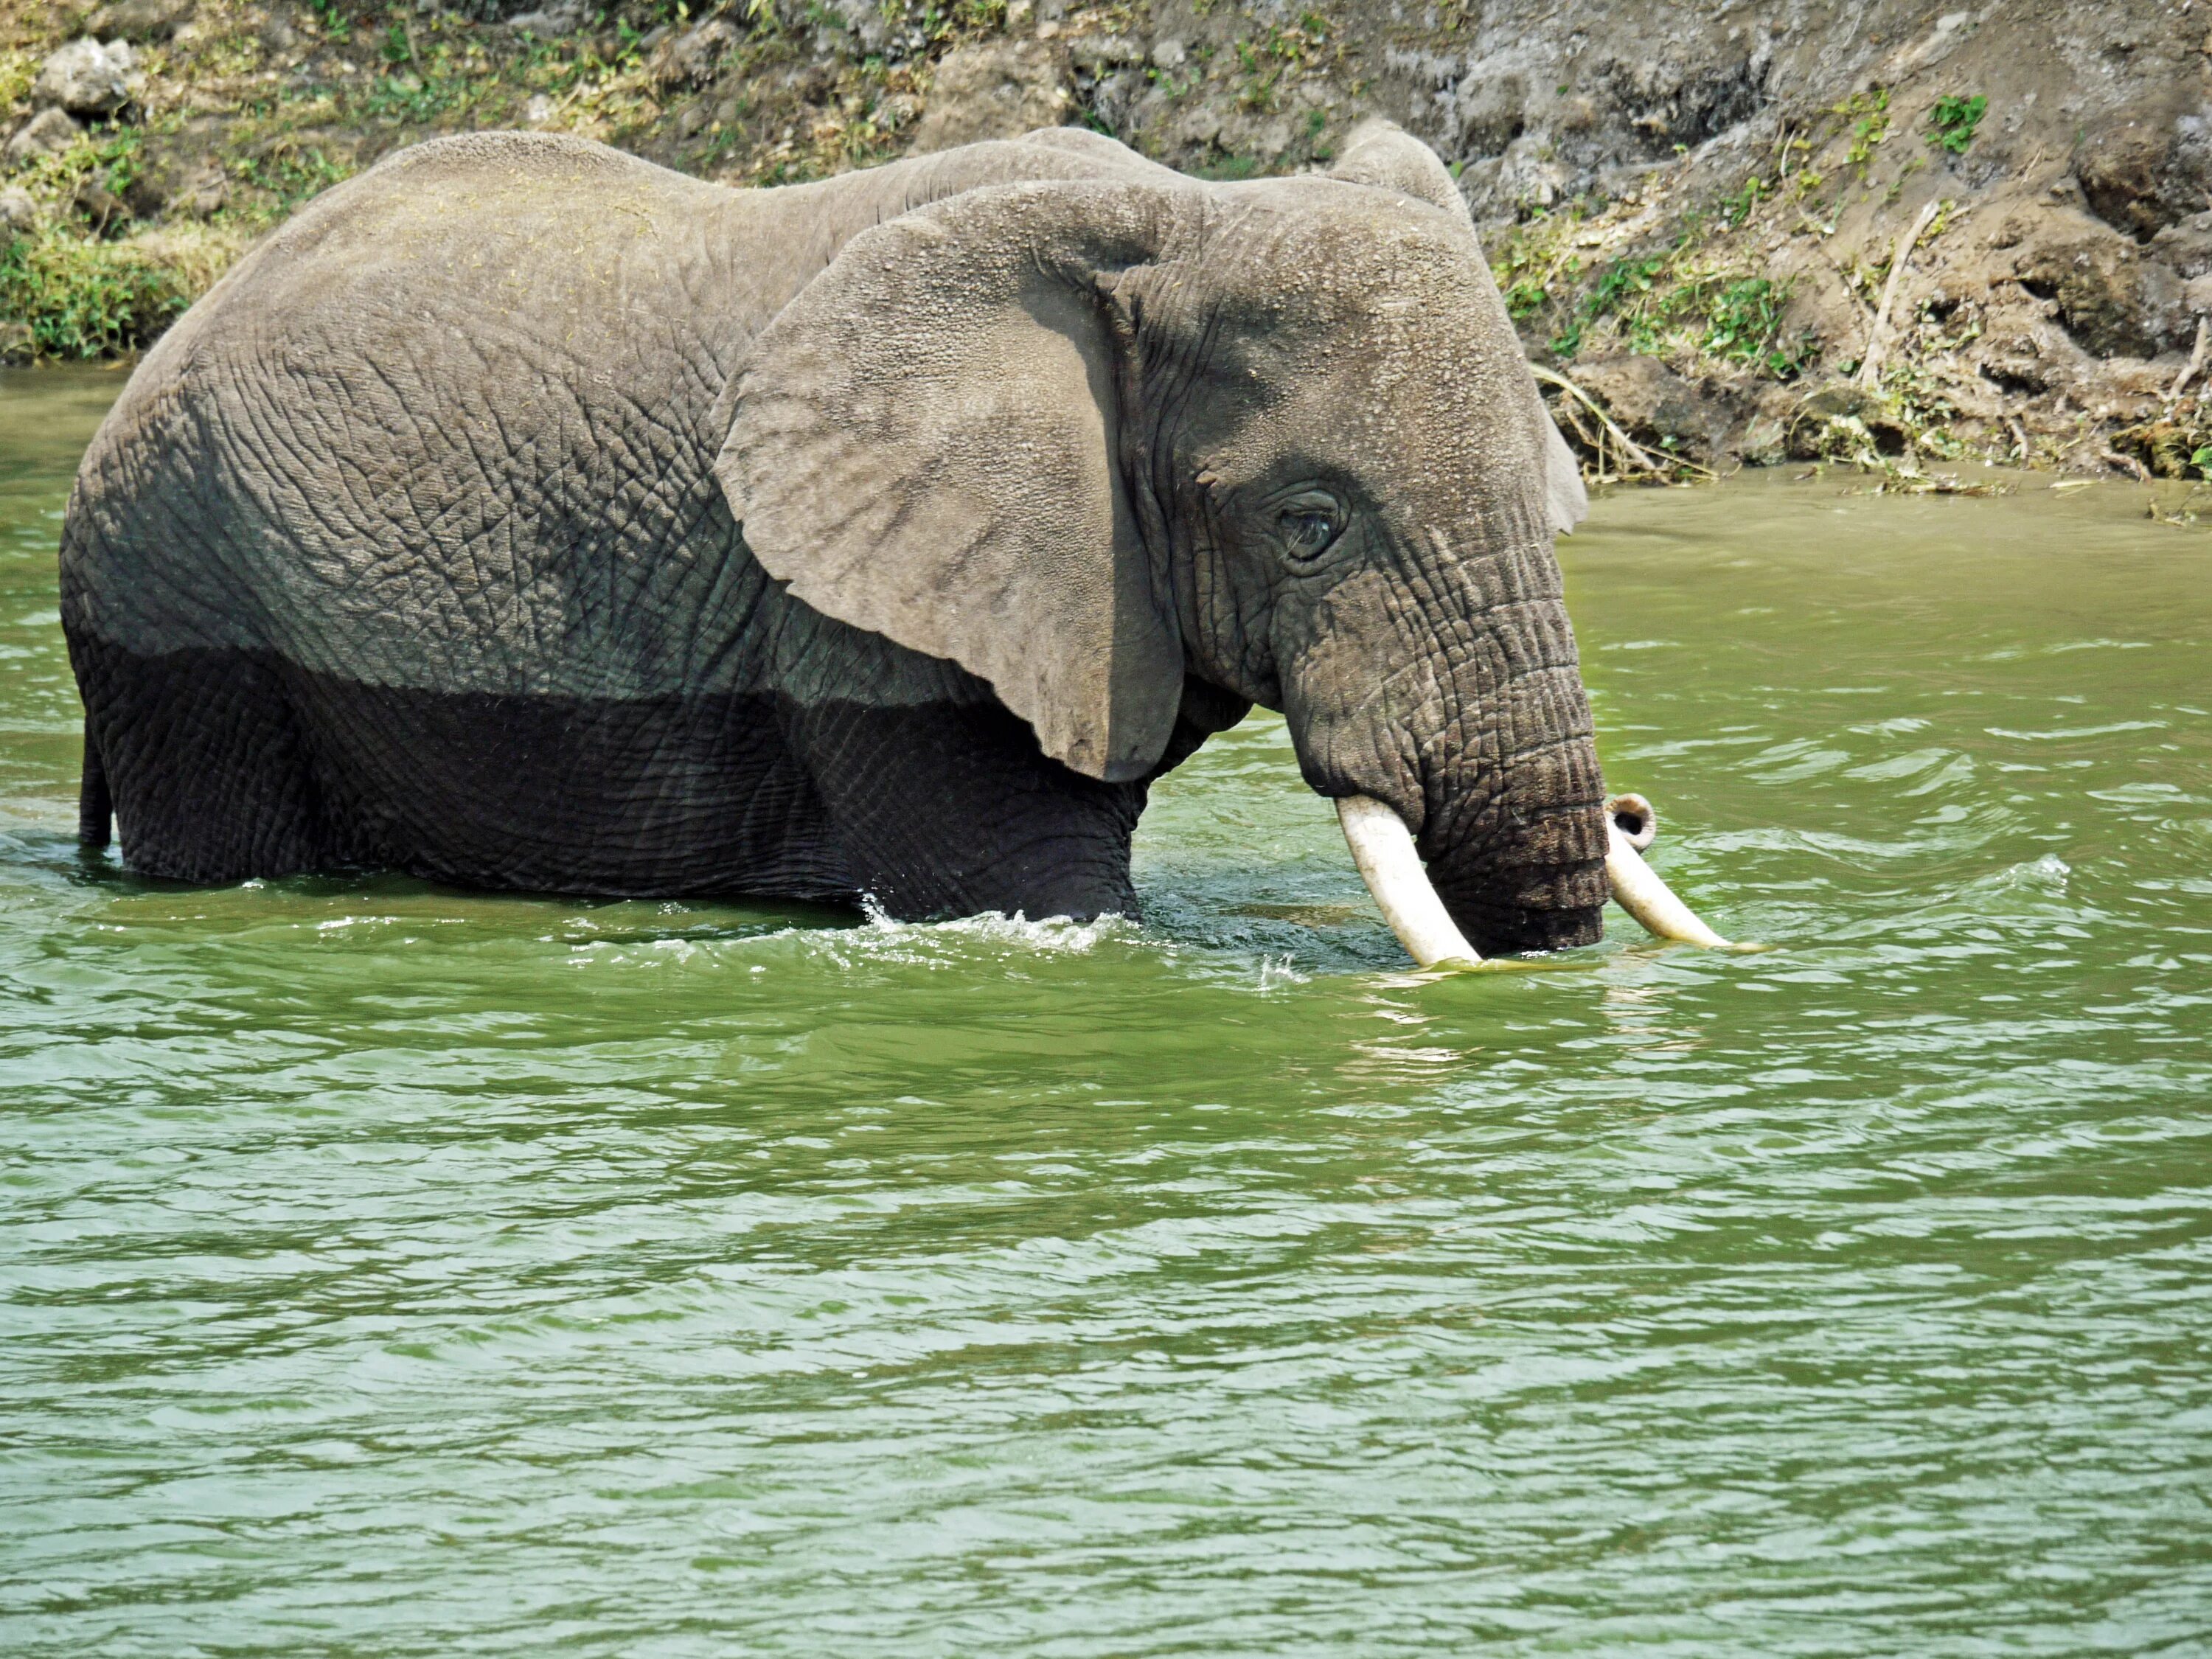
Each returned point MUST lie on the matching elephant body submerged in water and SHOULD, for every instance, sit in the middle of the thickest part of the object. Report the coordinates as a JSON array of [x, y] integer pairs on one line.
[[525, 515]]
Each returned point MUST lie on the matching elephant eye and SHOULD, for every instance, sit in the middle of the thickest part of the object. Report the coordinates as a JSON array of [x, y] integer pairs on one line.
[[1308, 524]]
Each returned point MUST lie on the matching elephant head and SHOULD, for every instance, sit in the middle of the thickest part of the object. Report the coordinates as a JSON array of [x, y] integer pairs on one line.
[[1096, 439]]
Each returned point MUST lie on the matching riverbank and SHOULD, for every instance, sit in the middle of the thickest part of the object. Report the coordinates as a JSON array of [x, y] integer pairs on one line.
[[1892, 234]]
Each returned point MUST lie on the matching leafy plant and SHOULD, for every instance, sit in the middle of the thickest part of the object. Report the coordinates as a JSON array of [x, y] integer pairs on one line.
[[1739, 208], [118, 158], [2202, 461], [338, 29], [1622, 280], [290, 175], [1868, 114], [1525, 299], [1744, 324], [87, 299], [1953, 121], [411, 99]]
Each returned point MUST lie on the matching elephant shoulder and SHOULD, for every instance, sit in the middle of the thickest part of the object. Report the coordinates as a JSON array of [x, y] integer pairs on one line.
[[524, 188], [489, 160]]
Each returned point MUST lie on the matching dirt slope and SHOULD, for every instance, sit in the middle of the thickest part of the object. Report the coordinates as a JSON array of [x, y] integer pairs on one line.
[[1695, 210]]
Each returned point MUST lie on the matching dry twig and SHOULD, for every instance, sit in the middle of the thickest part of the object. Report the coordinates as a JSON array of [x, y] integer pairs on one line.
[[1631, 453], [1878, 339], [2196, 361]]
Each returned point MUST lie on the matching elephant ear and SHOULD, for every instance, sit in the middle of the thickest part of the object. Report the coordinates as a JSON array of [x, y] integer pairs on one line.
[[1564, 498], [1385, 156], [926, 445]]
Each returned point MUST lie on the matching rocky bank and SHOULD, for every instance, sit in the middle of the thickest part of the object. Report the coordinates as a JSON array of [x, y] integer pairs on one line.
[[1904, 234]]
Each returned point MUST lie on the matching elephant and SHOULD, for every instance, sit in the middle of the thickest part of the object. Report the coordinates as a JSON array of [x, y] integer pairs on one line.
[[524, 515]]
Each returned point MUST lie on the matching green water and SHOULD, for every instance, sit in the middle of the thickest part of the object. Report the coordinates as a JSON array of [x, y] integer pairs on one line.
[[387, 1270]]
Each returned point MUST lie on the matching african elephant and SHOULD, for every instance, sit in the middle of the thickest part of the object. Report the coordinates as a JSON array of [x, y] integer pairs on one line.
[[524, 515]]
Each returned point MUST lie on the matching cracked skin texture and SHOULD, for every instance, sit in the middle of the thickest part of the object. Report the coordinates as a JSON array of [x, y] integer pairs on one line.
[[407, 547]]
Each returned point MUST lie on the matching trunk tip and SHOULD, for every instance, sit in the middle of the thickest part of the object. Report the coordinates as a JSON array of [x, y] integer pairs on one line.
[[1635, 818]]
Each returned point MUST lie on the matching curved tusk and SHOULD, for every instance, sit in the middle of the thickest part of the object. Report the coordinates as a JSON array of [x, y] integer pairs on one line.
[[1383, 849], [1637, 887]]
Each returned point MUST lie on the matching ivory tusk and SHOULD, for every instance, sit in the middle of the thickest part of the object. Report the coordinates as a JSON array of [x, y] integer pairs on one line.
[[1383, 849], [1630, 826]]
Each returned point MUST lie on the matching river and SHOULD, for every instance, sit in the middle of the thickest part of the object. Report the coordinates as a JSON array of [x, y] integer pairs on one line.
[[391, 1270]]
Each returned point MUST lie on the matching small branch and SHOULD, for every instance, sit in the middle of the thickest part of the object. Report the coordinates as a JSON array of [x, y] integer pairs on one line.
[[1878, 339], [1631, 453], [2196, 361]]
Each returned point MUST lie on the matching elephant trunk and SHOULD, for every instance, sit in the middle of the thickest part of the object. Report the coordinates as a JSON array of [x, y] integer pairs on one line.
[[1451, 697], [1514, 828]]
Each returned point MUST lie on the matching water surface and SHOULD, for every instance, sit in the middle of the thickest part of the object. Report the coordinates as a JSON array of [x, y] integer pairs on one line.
[[389, 1270]]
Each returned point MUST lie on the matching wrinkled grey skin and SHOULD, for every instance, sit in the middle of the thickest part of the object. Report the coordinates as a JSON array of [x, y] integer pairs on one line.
[[525, 515]]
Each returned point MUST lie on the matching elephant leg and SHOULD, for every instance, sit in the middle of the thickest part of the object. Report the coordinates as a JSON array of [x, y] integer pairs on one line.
[[948, 809], [95, 808], [201, 754]]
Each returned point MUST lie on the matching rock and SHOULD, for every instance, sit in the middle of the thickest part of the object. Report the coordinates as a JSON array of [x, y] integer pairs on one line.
[[1094, 54], [16, 345], [550, 21], [1529, 176], [19, 214], [47, 133], [145, 198], [1114, 99], [1655, 405], [2186, 246], [2142, 170], [1169, 54], [1000, 90], [100, 206], [693, 58], [138, 20], [865, 21], [203, 195], [1492, 114], [2110, 299], [88, 78], [1762, 441]]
